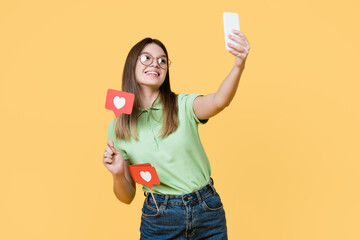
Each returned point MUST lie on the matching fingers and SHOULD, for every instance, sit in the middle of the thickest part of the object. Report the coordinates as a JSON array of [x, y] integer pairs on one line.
[[240, 39], [107, 155], [109, 150], [237, 47], [107, 160], [111, 145], [241, 46], [238, 51]]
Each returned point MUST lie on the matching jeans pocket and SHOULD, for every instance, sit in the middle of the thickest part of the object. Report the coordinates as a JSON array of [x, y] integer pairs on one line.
[[150, 210], [212, 202]]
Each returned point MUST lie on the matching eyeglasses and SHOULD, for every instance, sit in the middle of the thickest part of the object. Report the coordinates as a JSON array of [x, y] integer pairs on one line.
[[146, 59]]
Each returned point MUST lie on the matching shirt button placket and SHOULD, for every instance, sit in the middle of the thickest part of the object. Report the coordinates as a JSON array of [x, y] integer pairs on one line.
[[150, 122]]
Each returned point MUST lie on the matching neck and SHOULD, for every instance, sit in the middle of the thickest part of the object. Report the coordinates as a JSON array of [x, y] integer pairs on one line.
[[148, 97]]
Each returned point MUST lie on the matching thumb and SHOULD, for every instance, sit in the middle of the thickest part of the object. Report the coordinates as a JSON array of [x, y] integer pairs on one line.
[[111, 145]]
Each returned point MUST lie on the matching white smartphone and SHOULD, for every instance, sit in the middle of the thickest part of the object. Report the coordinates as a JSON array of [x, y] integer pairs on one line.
[[231, 21]]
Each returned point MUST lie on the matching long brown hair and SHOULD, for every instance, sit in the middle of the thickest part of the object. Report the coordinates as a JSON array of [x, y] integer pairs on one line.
[[126, 125]]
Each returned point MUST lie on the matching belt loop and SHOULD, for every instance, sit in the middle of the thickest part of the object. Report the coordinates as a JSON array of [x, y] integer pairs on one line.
[[199, 197], [147, 198], [165, 201], [212, 185]]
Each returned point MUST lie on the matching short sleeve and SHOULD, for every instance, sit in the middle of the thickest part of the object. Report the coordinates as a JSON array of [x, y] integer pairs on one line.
[[188, 101], [112, 137]]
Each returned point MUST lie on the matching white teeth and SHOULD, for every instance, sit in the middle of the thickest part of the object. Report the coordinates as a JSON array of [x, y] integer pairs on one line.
[[154, 73]]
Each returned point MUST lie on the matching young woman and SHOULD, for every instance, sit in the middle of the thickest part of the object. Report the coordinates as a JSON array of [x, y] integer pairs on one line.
[[163, 130]]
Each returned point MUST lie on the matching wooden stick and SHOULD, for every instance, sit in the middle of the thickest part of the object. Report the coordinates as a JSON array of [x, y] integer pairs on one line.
[[154, 199]]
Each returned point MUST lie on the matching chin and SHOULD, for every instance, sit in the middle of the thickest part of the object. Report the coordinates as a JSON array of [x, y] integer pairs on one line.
[[149, 84], [152, 82]]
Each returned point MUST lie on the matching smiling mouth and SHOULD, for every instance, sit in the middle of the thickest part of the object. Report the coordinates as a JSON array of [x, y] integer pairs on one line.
[[152, 73]]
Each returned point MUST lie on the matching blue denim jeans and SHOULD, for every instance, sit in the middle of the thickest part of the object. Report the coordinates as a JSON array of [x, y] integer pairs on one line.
[[196, 215]]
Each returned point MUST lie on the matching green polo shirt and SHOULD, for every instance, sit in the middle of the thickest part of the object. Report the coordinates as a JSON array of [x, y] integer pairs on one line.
[[179, 159]]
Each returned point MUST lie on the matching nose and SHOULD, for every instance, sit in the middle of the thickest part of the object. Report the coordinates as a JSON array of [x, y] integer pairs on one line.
[[155, 63]]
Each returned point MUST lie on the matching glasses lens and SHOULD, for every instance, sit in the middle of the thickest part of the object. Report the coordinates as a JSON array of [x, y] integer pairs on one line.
[[147, 59], [162, 62]]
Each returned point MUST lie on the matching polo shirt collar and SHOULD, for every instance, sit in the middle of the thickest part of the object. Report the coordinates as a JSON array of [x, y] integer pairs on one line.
[[155, 106]]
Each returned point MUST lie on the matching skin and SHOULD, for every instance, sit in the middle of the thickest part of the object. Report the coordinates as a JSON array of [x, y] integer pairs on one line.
[[209, 105], [204, 106], [149, 84]]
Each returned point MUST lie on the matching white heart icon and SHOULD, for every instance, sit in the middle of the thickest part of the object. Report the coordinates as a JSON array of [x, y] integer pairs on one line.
[[119, 102], [146, 176]]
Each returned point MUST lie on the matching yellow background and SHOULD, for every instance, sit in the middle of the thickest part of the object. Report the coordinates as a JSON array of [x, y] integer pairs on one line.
[[284, 154]]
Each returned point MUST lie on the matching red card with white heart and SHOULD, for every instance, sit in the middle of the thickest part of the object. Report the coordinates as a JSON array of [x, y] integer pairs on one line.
[[145, 174], [141, 165], [119, 101]]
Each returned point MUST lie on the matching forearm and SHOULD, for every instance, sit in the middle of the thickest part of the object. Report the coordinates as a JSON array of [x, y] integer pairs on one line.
[[124, 191], [228, 87]]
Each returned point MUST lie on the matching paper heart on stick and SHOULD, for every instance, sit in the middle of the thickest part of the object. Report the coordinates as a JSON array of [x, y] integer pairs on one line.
[[144, 174], [119, 101]]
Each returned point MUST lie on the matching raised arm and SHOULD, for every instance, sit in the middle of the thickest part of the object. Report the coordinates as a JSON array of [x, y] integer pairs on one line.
[[211, 104]]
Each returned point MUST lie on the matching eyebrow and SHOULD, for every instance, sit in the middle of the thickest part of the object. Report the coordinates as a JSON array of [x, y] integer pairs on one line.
[[151, 55]]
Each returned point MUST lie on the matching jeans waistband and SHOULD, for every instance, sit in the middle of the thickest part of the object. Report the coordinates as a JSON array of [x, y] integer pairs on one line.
[[168, 199]]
